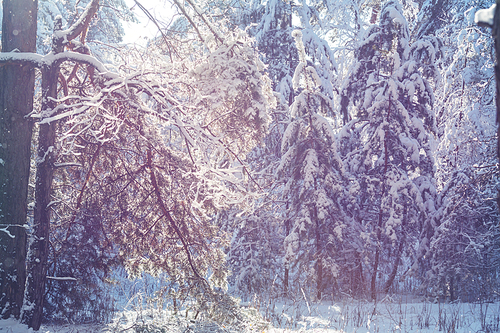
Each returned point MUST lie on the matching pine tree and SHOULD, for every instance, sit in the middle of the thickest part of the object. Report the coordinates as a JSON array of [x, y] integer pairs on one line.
[[253, 255], [311, 171], [388, 147]]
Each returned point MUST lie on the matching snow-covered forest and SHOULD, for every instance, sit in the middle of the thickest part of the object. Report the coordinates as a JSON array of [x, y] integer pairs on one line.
[[257, 164]]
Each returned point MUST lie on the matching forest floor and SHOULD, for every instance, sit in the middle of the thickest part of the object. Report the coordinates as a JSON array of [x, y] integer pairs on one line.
[[325, 317]]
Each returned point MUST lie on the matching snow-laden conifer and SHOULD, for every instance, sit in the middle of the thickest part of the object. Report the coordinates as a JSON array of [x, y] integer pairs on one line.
[[312, 173], [389, 145]]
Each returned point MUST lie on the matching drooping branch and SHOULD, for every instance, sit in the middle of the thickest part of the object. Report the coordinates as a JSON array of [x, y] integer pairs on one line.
[[167, 214], [84, 186]]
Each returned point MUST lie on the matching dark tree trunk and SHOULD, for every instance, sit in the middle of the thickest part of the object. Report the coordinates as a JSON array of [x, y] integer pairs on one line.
[[452, 288], [357, 281], [381, 211], [16, 101], [394, 271], [377, 250], [373, 286], [319, 256], [375, 11], [285, 278], [319, 262], [39, 248]]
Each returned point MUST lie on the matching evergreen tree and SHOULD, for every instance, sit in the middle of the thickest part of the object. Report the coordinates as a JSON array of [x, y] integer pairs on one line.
[[311, 171], [388, 147], [273, 34], [253, 255]]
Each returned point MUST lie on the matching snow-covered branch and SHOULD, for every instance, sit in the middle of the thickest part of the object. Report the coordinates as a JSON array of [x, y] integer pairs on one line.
[[62, 37]]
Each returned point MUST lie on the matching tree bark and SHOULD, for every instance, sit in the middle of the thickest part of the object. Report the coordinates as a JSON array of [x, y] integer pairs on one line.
[[287, 269], [380, 223], [394, 270], [39, 247], [319, 261], [16, 101], [373, 286], [381, 211], [32, 314], [359, 273]]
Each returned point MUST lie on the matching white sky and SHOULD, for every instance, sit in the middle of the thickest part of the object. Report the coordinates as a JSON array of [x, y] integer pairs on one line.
[[140, 32]]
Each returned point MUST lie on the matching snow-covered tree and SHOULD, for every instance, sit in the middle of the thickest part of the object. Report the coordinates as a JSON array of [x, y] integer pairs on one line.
[[253, 254], [464, 250], [388, 146], [271, 24], [37, 259], [158, 157], [273, 33], [466, 160], [311, 171], [106, 28], [148, 157], [465, 99]]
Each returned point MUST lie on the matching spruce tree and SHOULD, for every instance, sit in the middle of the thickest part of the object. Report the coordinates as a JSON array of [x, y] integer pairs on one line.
[[388, 146], [311, 171]]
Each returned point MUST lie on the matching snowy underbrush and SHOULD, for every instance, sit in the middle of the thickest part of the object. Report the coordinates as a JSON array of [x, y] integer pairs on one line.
[[389, 315], [156, 322], [153, 320], [222, 316], [145, 306], [349, 315]]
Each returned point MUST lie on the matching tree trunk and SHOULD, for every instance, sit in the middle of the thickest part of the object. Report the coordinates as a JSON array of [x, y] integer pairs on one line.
[[374, 274], [357, 281], [452, 288], [394, 271], [287, 269], [377, 250], [16, 101], [375, 11], [381, 212], [319, 261], [39, 248], [319, 264]]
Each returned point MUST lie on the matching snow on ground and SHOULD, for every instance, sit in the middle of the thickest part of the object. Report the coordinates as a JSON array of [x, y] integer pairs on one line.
[[388, 316], [327, 317]]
